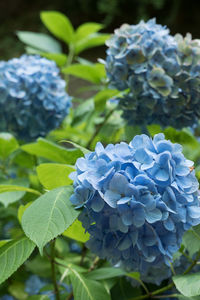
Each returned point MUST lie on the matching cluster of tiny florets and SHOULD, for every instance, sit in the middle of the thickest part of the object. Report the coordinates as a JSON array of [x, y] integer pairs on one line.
[[158, 72], [33, 100], [138, 200]]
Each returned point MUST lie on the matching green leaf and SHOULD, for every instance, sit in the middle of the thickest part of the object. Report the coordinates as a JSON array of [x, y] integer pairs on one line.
[[93, 40], [87, 29], [188, 298], [8, 144], [85, 289], [16, 289], [102, 96], [58, 24], [77, 232], [59, 58], [93, 73], [40, 41], [188, 285], [134, 275], [83, 149], [191, 240], [15, 188], [52, 151], [21, 210], [105, 273], [11, 197], [12, 255], [46, 174], [3, 242], [49, 216]]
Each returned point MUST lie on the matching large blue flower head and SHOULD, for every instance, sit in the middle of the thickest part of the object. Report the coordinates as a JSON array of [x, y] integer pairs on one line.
[[33, 100], [160, 72], [138, 200]]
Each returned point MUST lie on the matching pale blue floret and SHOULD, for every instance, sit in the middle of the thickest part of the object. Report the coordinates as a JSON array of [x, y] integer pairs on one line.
[[138, 199], [33, 100], [161, 73]]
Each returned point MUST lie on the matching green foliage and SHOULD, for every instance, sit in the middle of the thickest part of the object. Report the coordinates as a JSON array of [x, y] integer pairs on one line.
[[46, 174], [87, 289], [188, 285], [59, 25], [12, 255], [49, 216], [35, 186], [191, 240], [8, 144], [39, 41], [52, 152], [7, 198], [91, 72], [77, 232]]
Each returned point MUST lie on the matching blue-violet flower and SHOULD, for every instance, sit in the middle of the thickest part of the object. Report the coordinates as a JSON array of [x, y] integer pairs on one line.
[[138, 199], [33, 100]]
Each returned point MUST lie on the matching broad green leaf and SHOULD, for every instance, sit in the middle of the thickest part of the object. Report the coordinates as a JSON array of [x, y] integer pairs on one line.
[[65, 267], [134, 275], [15, 188], [93, 40], [85, 289], [102, 96], [59, 58], [52, 175], [3, 242], [84, 150], [87, 29], [8, 144], [93, 73], [49, 216], [180, 297], [58, 24], [105, 273], [21, 211], [77, 232], [188, 285], [11, 197], [191, 240], [40, 41], [52, 151], [17, 290], [12, 255]]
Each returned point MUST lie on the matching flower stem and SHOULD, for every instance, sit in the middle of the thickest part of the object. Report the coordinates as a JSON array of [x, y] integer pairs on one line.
[[53, 270], [98, 128]]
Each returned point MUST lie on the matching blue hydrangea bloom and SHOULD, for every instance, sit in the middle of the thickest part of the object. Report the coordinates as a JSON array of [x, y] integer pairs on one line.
[[138, 199], [161, 73], [33, 100]]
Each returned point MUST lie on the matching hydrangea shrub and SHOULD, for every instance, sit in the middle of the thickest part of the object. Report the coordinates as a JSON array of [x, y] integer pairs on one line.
[[138, 200], [161, 73], [33, 100]]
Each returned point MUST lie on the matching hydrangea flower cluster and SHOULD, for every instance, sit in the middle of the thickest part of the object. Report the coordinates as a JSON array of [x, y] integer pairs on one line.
[[138, 200], [161, 73], [33, 100]]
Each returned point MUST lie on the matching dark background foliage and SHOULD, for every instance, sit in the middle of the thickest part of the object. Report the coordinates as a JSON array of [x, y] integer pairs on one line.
[[179, 15]]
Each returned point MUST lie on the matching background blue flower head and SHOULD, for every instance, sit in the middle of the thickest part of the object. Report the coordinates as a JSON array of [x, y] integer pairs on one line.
[[33, 100], [161, 73], [138, 200]]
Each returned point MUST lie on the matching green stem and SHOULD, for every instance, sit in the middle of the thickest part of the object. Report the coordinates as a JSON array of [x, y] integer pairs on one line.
[[98, 129], [70, 59], [53, 270]]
